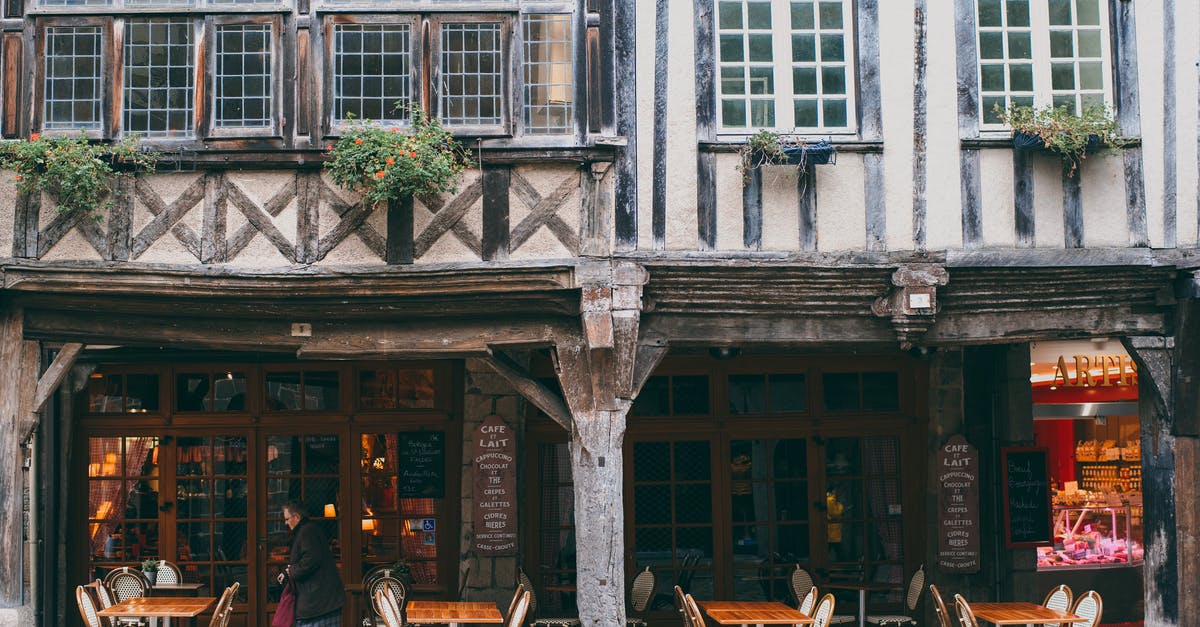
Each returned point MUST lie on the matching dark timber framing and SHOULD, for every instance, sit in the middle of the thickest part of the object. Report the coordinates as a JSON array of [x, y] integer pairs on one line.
[[662, 33], [968, 122], [1072, 207], [1023, 198], [752, 210], [871, 122], [920, 121], [496, 182], [1125, 88], [706, 120], [624, 20], [806, 193]]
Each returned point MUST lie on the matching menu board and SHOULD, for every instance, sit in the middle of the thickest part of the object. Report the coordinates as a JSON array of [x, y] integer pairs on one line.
[[1026, 497], [493, 461], [422, 457], [958, 506]]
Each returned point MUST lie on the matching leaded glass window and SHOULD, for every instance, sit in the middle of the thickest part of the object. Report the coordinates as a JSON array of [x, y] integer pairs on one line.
[[549, 75], [73, 78], [472, 83], [243, 78], [372, 72], [159, 77]]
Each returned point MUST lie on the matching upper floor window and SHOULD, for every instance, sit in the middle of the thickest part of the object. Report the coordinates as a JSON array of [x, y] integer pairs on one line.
[[208, 75], [1042, 54], [785, 65]]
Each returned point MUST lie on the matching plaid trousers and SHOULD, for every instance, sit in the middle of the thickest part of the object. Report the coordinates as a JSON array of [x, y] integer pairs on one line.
[[332, 619]]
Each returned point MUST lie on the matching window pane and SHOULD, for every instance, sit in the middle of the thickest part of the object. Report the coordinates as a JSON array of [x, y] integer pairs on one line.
[[991, 46], [806, 113], [762, 113], [762, 81], [1089, 43], [159, 91], [730, 15], [832, 48], [841, 391], [833, 80], [72, 87], [1020, 77], [243, 79], [989, 13], [733, 80], [371, 72], [320, 390], [759, 15], [1087, 12], [1062, 44], [804, 80], [760, 48], [802, 16], [1019, 46], [1091, 76], [991, 77], [471, 81], [549, 74], [1060, 12], [835, 113], [192, 392], [732, 48], [654, 399], [831, 15], [747, 394], [1017, 12], [881, 391], [804, 48], [1062, 75], [788, 393], [690, 395]]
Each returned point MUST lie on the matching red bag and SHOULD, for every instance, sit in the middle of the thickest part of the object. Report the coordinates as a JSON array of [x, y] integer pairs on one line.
[[285, 612]]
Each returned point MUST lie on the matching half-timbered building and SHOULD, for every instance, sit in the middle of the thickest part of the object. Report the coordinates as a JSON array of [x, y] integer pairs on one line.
[[714, 371]]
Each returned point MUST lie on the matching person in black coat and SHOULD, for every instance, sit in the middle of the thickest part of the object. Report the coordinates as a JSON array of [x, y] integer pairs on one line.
[[319, 590]]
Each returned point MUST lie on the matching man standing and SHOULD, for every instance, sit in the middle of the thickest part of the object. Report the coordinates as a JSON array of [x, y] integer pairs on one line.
[[319, 590]]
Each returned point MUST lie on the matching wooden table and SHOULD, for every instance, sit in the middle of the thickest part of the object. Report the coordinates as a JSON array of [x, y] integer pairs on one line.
[[753, 613], [453, 613], [169, 588], [863, 587], [1020, 613], [155, 608]]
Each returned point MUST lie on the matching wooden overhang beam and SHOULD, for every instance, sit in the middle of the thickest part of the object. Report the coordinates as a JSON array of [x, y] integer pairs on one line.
[[530, 388], [48, 384]]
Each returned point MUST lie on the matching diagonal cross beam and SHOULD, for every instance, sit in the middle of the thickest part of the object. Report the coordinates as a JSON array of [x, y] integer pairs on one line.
[[447, 216], [167, 217], [353, 219], [543, 211]]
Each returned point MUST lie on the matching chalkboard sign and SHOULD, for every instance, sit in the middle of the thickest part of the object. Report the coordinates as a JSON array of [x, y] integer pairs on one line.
[[1026, 497], [422, 464]]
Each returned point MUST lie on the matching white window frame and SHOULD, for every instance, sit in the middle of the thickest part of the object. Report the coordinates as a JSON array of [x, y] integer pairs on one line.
[[1039, 27], [784, 97]]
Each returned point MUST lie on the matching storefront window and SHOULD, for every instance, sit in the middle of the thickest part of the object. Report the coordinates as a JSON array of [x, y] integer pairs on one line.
[[210, 391], [122, 393], [122, 502], [397, 522], [392, 388], [678, 395], [308, 390], [302, 468]]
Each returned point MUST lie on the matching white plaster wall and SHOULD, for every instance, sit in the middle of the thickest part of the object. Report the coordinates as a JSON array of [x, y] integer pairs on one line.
[[682, 153], [543, 244], [943, 189], [729, 203], [781, 210], [841, 205], [896, 86], [73, 245], [8, 212], [448, 248], [1047, 202], [1102, 193], [997, 198], [1187, 86], [168, 248], [1150, 74]]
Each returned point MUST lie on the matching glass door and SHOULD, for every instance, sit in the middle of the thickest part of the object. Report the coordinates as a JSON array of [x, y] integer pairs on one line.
[[124, 521]]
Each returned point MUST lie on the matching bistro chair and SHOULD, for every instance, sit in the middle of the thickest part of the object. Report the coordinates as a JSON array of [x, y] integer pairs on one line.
[[87, 607], [939, 607], [512, 605], [801, 582], [126, 583], [540, 621], [1058, 599], [640, 594], [462, 582], [693, 611], [963, 610], [224, 611], [384, 578], [684, 582], [808, 602], [385, 607], [1089, 607], [516, 618], [824, 611], [168, 574], [915, 584], [681, 607]]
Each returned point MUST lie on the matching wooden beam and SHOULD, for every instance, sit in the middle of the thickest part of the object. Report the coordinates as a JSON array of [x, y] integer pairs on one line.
[[649, 355], [51, 379], [532, 389], [13, 358]]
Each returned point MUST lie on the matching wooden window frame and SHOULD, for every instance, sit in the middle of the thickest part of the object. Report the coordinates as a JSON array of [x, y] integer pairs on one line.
[[418, 90], [510, 88], [106, 63], [199, 67], [274, 130]]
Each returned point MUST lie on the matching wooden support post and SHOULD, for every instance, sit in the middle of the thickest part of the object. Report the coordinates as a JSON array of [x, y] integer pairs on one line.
[[18, 361], [1187, 447], [1153, 356]]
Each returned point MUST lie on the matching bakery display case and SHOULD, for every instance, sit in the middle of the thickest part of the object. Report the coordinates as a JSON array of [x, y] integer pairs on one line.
[[1092, 536]]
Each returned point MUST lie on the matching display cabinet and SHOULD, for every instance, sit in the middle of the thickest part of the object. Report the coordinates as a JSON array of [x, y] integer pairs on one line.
[[1091, 536]]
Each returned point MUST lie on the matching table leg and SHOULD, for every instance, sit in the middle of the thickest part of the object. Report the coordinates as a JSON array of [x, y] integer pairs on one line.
[[862, 608]]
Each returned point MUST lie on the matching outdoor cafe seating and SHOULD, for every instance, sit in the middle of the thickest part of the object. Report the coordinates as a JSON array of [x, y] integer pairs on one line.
[[1056, 609]]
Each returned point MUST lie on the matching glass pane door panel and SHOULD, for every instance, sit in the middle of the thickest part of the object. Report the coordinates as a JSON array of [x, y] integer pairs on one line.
[[212, 533], [123, 502], [300, 468], [768, 503], [556, 529], [673, 515], [394, 527], [863, 523]]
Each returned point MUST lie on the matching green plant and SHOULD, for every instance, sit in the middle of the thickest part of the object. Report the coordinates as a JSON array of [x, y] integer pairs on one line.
[[1062, 132], [77, 173], [401, 567], [760, 149], [150, 566], [383, 164]]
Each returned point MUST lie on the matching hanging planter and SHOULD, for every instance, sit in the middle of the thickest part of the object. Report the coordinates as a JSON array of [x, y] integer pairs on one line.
[[1061, 132], [385, 164], [770, 148], [75, 172]]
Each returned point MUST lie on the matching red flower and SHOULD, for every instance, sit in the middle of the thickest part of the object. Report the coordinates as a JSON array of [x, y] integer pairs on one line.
[[17, 177], [391, 161], [329, 147], [34, 137], [379, 174], [358, 141], [412, 155], [395, 130]]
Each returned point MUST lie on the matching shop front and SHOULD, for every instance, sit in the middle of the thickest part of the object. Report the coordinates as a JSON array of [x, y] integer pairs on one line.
[[1085, 412], [192, 463], [739, 469]]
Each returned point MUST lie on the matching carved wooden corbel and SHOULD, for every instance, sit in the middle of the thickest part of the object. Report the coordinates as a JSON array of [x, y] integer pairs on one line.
[[912, 303]]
